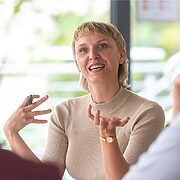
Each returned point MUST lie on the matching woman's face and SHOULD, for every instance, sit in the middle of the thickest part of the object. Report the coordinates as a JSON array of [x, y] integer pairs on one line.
[[98, 58]]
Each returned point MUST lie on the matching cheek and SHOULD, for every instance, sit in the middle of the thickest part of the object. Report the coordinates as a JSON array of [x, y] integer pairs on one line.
[[114, 59], [77, 65], [80, 64]]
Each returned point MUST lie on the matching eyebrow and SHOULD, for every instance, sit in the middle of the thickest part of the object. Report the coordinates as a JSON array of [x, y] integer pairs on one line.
[[81, 44], [102, 40], [99, 41]]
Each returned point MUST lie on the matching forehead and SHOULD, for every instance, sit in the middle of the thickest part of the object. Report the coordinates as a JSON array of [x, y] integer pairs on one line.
[[93, 38]]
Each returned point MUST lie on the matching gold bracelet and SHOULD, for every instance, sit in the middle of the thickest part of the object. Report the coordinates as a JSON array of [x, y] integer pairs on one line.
[[108, 139]]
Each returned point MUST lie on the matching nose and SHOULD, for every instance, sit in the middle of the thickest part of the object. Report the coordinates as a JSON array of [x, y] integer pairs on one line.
[[93, 54]]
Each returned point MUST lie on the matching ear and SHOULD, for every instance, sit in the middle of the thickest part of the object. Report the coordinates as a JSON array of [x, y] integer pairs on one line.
[[123, 56], [77, 66]]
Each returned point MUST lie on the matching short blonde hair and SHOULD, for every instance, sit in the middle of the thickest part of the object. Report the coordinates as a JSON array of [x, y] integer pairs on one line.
[[107, 29]]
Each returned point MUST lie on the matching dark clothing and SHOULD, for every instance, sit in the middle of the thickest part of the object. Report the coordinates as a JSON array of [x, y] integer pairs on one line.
[[12, 167]]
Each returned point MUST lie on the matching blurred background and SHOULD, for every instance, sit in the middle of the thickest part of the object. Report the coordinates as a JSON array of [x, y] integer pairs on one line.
[[36, 56]]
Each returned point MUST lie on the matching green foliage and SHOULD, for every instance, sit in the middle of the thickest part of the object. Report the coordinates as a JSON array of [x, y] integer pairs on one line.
[[137, 76], [163, 93], [18, 6], [64, 77], [67, 22], [66, 94], [65, 25]]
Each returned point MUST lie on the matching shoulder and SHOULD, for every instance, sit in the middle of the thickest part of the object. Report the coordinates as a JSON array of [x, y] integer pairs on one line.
[[145, 112], [73, 101], [142, 103]]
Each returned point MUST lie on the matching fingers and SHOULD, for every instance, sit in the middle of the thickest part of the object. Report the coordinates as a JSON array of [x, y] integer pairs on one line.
[[112, 123], [32, 114], [25, 115], [37, 103], [108, 125], [102, 124], [90, 115], [106, 122], [97, 117], [26, 100], [123, 121], [28, 117], [38, 121], [27, 121]]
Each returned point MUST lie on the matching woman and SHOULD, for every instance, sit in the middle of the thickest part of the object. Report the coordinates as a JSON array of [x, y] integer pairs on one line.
[[73, 140]]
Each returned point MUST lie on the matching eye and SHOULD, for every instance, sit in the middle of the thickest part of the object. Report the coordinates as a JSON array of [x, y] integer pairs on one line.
[[82, 50], [103, 46]]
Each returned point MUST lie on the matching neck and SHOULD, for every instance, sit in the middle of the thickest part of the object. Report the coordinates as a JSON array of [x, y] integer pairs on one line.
[[101, 94]]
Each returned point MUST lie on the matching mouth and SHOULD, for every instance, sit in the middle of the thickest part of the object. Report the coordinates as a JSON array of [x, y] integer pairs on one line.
[[96, 67]]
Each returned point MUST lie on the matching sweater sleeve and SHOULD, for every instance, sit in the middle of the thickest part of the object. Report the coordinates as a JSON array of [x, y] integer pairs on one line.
[[146, 126], [57, 142]]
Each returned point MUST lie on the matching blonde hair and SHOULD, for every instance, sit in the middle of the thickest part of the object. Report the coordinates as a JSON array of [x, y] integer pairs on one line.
[[109, 29]]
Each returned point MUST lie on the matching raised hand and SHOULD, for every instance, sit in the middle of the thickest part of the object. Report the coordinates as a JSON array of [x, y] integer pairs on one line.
[[107, 125], [25, 115]]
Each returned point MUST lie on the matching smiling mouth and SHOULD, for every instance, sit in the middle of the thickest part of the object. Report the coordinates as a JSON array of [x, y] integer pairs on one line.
[[96, 67]]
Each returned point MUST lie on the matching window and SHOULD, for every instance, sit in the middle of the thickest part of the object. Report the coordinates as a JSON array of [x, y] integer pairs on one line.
[[36, 57]]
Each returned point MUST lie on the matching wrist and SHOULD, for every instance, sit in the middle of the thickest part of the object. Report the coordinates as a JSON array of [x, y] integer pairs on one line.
[[107, 134], [108, 139]]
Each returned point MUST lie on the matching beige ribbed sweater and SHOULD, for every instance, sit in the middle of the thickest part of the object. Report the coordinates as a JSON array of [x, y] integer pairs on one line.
[[73, 139]]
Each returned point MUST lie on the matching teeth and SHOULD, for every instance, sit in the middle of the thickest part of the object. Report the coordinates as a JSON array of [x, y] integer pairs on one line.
[[96, 66]]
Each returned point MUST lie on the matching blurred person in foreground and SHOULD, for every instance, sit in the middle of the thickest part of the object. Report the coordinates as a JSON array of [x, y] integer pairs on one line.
[[13, 167], [160, 162], [73, 142]]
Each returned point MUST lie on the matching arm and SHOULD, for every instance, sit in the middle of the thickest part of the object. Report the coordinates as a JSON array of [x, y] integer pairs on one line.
[[114, 163], [145, 127], [18, 120], [176, 96]]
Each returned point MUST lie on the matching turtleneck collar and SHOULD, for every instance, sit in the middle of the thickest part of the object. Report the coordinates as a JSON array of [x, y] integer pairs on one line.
[[112, 105]]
